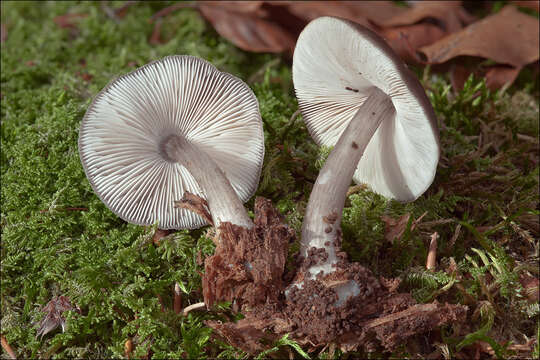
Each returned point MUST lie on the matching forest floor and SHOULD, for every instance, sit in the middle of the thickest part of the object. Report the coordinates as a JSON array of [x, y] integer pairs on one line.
[[61, 244]]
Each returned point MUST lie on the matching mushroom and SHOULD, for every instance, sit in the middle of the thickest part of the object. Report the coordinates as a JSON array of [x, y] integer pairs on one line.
[[357, 95], [173, 126]]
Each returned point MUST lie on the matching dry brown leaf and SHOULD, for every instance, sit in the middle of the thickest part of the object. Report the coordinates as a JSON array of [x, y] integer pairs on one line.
[[245, 28], [405, 40], [499, 75], [508, 37], [357, 11], [447, 15], [531, 4], [394, 228], [235, 6]]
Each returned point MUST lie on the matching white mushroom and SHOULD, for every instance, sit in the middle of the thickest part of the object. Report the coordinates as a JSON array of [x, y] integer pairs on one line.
[[357, 95], [171, 126]]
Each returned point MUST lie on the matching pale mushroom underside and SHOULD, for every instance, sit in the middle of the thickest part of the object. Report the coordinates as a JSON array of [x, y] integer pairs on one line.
[[121, 133], [334, 66]]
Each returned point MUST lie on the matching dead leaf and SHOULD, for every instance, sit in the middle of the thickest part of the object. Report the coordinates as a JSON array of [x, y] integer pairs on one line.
[[358, 11], [54, 315], [496, 76], [394, 228], [499, 75], [449, 16], [534, 4], [507, 37], [405, 40], [245, 28]]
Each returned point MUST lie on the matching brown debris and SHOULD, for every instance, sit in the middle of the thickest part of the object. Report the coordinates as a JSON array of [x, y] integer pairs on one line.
[[361, 12], [158, 235], [128, 348], [196, 204], [54, 315], [507, 37], [7, 348], [431, 261], [245, 28], [248, 264], [395, 228], [449, 16], [378, 315]]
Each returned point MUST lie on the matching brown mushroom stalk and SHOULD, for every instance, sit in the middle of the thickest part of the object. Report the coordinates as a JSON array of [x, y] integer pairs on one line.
[[223, 203], [321, 226]]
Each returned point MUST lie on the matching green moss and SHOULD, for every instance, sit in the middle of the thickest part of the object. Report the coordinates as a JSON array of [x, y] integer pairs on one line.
[[59, 239]]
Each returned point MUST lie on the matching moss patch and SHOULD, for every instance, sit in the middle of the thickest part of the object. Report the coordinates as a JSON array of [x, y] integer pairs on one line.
[[59, 239]]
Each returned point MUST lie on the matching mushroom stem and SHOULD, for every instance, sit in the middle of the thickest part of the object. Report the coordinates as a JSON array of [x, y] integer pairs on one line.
[[321, 226], [223, 202]]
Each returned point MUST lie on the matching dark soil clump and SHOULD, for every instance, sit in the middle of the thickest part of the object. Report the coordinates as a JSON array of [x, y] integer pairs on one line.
[[248, 269]]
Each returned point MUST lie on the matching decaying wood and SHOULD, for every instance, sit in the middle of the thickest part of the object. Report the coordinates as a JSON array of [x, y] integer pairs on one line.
[[248, 269]]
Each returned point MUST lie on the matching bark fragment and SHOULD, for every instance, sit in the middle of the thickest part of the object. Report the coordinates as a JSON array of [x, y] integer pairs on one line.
[[248, 269]]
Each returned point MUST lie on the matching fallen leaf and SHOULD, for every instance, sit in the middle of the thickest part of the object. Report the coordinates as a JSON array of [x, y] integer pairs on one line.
[[507, 37], [499, 75], [245, 28], [534, 4], [449, 16], [405, 40], [54, 315], [395, 228], [358, 11]]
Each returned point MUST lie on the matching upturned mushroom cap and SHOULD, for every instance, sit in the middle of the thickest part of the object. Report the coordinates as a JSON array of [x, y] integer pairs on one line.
[[122, 130], [335, 64]]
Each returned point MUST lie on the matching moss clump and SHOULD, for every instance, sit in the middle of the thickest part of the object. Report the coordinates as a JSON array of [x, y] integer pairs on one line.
[[59, 239]]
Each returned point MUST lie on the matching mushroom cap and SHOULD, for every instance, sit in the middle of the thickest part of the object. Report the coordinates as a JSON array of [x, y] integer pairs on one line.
[[121, 132], [335, 63]]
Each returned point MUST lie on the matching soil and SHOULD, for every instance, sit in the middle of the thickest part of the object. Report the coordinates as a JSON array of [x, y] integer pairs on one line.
[[248, 269]]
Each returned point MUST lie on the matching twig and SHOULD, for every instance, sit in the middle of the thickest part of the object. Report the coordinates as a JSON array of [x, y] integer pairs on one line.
[[128, 348], [177, 299], [7, 348], [197, 306], [432, 254]]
